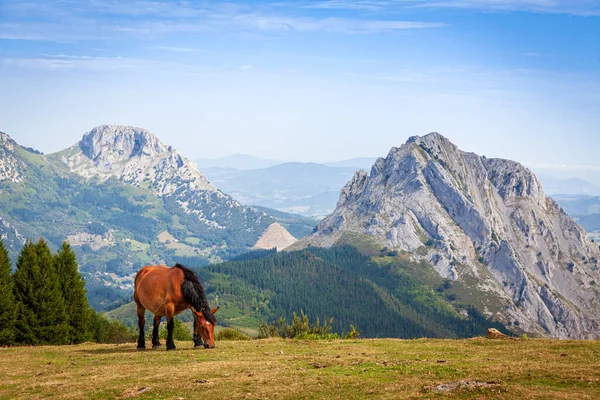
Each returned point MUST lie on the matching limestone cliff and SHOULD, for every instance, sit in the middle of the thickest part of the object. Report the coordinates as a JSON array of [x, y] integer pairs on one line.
[[479, 220]]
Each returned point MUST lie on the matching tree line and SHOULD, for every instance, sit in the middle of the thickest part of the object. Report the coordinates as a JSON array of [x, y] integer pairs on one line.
[[380, 300], [44, 302]]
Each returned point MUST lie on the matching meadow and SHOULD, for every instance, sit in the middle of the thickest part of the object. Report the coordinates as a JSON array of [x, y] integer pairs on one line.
[[476, 368]]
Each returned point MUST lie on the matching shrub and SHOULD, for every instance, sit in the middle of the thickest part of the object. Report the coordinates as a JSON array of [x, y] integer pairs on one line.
[[300, 328], [180, 331], [231, 334], [300, 325], [353, 334], [105, 331]]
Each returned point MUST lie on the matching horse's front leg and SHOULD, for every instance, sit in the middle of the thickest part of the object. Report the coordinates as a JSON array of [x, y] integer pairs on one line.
[[170, 325], [141, 314], [155, 340]]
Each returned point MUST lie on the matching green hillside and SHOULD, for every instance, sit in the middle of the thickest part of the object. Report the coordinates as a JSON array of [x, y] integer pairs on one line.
[[381, 299], [115, 228]]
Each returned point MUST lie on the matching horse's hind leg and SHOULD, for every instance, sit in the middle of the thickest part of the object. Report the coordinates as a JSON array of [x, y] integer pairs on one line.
[[155, 341], [170, 325], [141, 314]]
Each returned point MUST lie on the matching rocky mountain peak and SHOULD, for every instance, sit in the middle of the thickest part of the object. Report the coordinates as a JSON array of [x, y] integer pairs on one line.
[[478, 220], [132, 155], [107, 144]]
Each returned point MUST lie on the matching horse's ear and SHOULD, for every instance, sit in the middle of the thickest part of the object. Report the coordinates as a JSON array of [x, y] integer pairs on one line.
[[194, 310], [214, 310]]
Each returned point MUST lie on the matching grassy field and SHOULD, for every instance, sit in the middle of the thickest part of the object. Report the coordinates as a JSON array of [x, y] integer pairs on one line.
[[292, 369]]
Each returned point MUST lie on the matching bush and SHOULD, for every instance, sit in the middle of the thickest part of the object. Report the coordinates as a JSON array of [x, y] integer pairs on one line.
[[300, 325], [301, 329], [353, 334], [231, 334], [180, 331], [105, 331]]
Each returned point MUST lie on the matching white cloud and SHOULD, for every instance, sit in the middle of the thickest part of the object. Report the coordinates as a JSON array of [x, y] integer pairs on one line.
[[575, 7], [103, 20]]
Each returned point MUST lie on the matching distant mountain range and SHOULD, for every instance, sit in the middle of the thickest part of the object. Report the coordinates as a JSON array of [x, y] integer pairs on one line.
[[307, 189], [484, 223], [236, 161], [246, 161], [571, 186]]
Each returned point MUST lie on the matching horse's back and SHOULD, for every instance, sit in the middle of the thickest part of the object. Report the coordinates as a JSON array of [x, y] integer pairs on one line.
[[156, 285]]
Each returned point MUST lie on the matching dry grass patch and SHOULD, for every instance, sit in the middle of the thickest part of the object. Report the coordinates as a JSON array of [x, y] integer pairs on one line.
[[292, 369]]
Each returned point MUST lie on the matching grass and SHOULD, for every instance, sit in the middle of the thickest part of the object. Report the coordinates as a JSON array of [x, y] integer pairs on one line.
[[293, 369]]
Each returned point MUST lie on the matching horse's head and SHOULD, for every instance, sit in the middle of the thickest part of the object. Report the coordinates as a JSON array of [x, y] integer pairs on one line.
[[204, 328]]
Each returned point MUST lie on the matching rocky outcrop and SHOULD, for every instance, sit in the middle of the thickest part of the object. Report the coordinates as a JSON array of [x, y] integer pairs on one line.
[[480, 220], [11, 167], [276, 236], [135, 156]]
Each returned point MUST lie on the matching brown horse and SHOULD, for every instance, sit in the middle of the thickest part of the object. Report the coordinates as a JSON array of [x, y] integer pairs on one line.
[[167, 292]]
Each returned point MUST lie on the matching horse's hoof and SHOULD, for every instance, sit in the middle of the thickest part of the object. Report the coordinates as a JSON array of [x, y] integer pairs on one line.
[[171, 348], [156, 346]]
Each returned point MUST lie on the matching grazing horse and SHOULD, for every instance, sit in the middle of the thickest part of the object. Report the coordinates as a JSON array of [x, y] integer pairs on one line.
[[167, 292]]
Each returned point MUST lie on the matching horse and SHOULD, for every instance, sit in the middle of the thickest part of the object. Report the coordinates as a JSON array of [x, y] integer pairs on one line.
[[167, 292]]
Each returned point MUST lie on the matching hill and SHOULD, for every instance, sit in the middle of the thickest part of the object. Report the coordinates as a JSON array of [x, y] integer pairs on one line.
[[486, 223], [385, 296], [291, 369]]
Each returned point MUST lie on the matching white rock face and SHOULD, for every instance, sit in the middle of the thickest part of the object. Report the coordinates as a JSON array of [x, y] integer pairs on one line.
[[132, 155], [482, 220], [10, 166]]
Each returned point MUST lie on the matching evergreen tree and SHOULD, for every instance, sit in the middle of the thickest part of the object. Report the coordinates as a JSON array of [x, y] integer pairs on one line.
[[7, 300], [41, 310], [74, 294]]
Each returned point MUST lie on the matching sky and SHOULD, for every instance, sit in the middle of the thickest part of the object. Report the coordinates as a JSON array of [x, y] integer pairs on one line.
[[309, 80]]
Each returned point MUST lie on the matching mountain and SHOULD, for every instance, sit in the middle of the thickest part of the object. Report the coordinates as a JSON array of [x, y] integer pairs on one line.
[[571, 186], [236, 161], [308, 189], [123, 200], [580, 178], [486, 223]]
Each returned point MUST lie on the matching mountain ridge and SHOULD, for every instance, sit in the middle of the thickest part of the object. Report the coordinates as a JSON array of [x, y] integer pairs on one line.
[[479, 219]]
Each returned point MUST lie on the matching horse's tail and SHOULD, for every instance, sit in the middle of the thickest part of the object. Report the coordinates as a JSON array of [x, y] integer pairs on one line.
[[193, 293]]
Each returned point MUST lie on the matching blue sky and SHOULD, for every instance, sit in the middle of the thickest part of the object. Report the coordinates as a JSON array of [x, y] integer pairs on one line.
[[309, 80]]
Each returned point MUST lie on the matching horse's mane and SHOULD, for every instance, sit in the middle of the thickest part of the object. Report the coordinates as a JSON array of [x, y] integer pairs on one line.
[[193, 293]]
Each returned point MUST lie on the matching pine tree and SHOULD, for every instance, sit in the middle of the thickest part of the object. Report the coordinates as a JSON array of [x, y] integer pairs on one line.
[[41, 310], [7, 300], [74, 294]]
